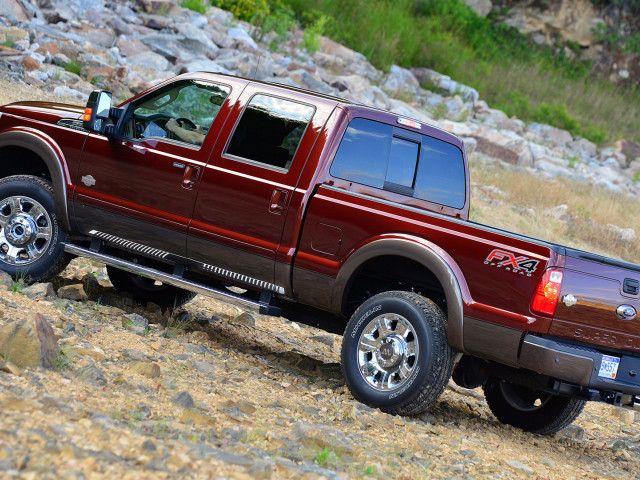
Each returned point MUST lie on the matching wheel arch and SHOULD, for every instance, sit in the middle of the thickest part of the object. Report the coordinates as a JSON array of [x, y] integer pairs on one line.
[[425, 253], [42, 147]]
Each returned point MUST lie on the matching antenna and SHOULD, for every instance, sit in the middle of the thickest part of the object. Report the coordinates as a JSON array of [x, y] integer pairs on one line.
[[255, 71]]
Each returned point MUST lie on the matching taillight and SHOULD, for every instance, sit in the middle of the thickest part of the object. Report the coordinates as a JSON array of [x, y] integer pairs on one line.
[[87, 114], [548, 292]]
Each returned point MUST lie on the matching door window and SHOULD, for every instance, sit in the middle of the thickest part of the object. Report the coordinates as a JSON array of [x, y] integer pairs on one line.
[[182, 111], [270, 131]]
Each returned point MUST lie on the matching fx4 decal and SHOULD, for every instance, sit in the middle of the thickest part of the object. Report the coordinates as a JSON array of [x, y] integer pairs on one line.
[[507, 260]]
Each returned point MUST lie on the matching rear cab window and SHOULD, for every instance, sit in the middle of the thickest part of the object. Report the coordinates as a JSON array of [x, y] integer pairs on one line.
[[401, 161]]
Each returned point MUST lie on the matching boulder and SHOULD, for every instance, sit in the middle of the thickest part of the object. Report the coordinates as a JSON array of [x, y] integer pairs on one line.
[[584, 146], [15, 9], [38, 291], [73, 292], [508, 148], [555, 136], [481, 7], [29, 343], [573, 20]]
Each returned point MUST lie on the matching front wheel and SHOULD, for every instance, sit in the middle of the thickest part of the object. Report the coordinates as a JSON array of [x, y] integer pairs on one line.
[[531, 410], [31, 241], [395, 354], [146, 290]]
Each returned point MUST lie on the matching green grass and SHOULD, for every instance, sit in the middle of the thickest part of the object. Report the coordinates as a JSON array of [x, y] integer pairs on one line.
[[73, 66], [510, 71], [8, 42], [196, 5]]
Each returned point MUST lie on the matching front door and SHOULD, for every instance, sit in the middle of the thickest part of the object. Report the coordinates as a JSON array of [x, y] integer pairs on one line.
[[137, 189]]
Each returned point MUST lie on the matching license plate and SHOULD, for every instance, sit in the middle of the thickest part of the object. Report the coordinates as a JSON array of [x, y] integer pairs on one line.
[[609, 367]]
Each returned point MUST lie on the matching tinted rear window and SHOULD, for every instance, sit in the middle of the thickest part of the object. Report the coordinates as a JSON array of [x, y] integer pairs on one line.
[[390, 158]]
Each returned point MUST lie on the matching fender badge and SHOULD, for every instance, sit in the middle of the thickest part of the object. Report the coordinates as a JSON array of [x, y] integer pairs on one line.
[[88, 180], [569, 300], [626, 312]]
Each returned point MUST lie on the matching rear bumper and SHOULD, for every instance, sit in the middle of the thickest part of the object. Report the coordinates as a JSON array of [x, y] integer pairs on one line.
[[580, 365]]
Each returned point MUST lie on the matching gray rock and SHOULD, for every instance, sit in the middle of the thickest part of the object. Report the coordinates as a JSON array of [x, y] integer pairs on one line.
[[481, 7], [520, 467], [241, 36], [29, 342], [6, 281], [554, 135], [133, 319], [547, 462], [90, 373], [468, 453], [149, 62], [196, 40], [183, 399], [320, 436], [572, 431], [73, 292], [149, 446], [134, 355], [244, 318], [204, 66], [326, 339], [39, 291], [169, 46], [205, 368]]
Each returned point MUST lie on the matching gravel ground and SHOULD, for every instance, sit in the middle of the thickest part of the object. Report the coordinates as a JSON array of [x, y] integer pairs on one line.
[[225, 394]]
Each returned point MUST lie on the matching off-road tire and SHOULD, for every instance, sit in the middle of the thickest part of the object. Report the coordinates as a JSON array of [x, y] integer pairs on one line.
[[515, 405], [425, 377], [48, 258], [144, 290]]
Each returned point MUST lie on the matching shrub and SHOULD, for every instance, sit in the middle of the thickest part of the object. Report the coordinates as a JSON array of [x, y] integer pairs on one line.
[[247, 10], [196, 5]]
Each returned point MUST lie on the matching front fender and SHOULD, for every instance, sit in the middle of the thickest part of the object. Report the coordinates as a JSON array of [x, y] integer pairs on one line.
[[431, 256], [47, 149]]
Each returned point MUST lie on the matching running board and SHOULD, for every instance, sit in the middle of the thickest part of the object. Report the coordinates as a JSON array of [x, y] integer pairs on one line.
[[262, 307]]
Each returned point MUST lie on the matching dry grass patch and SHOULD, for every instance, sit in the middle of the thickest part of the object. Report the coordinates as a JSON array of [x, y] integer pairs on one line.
[[527, 197], [11, 91]]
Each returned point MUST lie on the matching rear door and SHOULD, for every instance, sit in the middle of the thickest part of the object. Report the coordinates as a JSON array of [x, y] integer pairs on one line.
[[248, 185]]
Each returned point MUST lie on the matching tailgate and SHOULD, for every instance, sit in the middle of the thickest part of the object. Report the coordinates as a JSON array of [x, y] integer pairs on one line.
[[598, 305]]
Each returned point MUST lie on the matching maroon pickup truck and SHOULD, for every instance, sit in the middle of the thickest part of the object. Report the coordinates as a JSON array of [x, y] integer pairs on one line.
[[320, 208]]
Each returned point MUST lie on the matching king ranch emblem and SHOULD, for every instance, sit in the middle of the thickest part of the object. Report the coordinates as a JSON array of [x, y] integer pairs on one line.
[[510, 262]]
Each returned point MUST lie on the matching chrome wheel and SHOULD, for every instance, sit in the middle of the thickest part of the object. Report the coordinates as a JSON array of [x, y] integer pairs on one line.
[[25, 230], [387, 351]]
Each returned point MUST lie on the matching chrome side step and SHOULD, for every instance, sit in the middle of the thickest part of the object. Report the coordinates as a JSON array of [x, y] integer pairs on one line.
[[157, 275]]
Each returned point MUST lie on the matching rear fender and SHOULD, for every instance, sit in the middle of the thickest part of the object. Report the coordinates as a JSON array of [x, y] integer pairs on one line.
[[424, 252]]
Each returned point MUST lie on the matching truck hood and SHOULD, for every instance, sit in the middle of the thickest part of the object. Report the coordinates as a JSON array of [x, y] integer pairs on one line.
[[44, 111]]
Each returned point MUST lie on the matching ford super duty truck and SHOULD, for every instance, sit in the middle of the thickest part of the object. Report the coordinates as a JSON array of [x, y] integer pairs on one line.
[[322, 208]]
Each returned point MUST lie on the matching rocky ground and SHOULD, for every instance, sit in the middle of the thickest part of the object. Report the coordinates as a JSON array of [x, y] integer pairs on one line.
[[215, 392]]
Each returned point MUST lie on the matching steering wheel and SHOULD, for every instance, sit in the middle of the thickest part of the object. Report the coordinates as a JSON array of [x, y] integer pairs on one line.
[[182, 121]]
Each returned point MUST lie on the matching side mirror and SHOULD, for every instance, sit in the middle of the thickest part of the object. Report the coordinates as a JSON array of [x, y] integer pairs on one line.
[[97, 112]]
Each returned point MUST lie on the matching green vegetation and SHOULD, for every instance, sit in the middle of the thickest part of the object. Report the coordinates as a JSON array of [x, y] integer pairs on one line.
[[73, 66], [326, 458], [196, 5], [311, 38], [512, 73], [8, 42]]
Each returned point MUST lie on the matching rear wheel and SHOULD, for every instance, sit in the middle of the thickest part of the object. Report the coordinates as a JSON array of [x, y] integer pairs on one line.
[[146, 290], [31, 242], [395, 354], [531, 410]]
